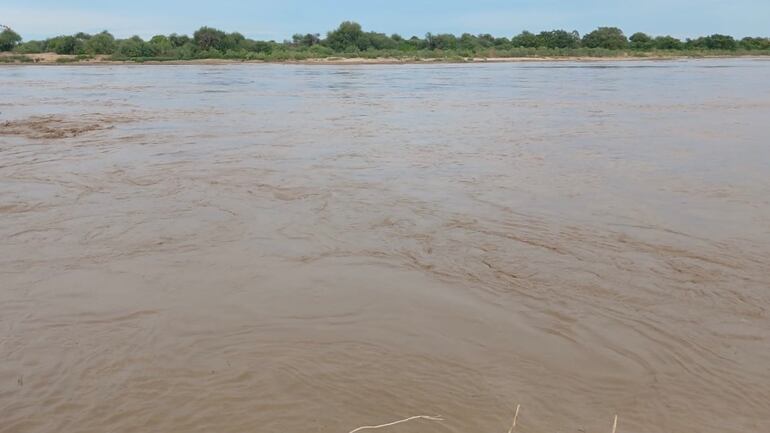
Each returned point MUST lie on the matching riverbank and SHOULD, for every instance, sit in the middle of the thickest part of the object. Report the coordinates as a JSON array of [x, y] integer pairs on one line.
[[61, 59]]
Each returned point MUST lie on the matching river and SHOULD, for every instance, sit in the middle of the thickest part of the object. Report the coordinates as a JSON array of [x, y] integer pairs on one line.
[[286, 248]]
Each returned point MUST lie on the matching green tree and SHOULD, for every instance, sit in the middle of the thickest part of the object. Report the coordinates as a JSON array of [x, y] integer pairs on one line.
[[207, 38], [231, 41], [186, 51], [102, 43], [486, 40], [306, 40], [415, 43], [135, 47], [9, 39], [258, 46], [641, 41], [668, 43], [162, 44], [444, 41], [178, 40], [713, 42], [29, 47], [502, 42], [347, 37], [525, 39], [559, 39], [407, 45], [130, 47], [611, 38], [380, 41], [750, 43], [720, 42], [468, 42], [64, 45]]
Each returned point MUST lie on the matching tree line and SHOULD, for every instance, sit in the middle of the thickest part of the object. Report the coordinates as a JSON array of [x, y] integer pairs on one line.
[[350, 39]]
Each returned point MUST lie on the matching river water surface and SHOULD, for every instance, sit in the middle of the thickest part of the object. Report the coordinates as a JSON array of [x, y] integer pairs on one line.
[[286, 248]]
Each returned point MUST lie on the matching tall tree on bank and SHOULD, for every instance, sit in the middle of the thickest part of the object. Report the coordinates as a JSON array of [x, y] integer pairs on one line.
[[611, 38], [207, 38], [641, 41], [347, 37], [559, 39], [8, 39]]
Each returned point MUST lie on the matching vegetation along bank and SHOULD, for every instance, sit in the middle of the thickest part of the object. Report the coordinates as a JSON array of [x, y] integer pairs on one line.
[[350, 41]]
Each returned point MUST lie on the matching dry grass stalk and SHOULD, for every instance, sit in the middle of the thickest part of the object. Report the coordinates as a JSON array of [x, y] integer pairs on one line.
[[515, 417], [429, 418]]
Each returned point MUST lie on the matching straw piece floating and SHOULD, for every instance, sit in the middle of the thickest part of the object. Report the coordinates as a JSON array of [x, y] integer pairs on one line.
[[516, 417], [369, 427], [439, 418]]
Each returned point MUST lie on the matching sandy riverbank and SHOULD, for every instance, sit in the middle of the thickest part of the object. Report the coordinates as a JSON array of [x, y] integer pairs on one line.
[[59, 59]]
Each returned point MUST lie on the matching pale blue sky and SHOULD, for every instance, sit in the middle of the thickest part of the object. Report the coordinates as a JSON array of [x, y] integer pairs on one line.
[[282, 18]]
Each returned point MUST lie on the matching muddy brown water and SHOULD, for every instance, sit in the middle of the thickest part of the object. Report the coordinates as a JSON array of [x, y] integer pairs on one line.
[[274, 248]]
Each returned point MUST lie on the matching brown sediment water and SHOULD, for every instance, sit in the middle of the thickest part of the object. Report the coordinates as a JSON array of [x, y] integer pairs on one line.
[[282, 248]]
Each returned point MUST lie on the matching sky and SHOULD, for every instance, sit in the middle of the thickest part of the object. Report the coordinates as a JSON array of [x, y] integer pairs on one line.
[[279, 19]]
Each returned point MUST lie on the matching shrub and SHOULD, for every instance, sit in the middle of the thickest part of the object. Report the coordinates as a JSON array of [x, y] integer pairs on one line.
[[31, 47]]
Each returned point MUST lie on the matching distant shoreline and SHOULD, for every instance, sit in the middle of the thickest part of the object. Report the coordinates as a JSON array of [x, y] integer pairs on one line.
[[52, 59], [349, 44]]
